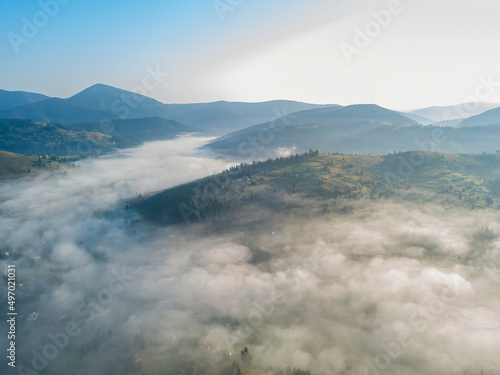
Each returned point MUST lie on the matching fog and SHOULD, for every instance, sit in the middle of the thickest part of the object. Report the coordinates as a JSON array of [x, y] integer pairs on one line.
[[386, 287]]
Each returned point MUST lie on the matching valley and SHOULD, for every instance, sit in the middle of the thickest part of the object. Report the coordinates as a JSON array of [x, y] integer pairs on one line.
[[238, 237]]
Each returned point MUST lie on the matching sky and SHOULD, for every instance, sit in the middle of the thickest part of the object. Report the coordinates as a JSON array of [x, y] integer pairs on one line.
[[401, 54]]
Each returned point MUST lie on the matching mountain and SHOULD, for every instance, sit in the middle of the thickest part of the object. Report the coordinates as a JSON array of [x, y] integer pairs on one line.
[[417, 118], [101, 101], [491, 117], [368, 114], [133, 132], [123, 104], [340, 120], [11, 99], [36, 138], [324, 129], [28, 137], [217, 118], [325, 178], [223, 117], [361, 129], [56, 110], [459, 111]]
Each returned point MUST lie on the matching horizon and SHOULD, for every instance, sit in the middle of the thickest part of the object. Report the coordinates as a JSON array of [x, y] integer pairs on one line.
[[207, 51], [407, 110]]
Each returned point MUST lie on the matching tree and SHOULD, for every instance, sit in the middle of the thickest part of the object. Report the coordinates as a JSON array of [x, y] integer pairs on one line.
[[246, 358]]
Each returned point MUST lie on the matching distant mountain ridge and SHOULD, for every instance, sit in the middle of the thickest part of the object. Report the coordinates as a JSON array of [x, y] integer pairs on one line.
[[358, 129], [216, 117], [10, 99], [420, 119], [321, 129], [102, 102], [221, 117], [251, 129], [352, 114], [491, 117], [453, 112], [359, 116]]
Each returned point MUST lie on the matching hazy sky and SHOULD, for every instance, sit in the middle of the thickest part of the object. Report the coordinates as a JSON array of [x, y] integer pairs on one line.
[[429, 52]]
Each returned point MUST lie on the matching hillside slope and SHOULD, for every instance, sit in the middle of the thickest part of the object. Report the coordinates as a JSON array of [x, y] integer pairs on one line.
[[38, 138], [17, 164], [133, 132], [491, 117], [467, 179], [56, 110]]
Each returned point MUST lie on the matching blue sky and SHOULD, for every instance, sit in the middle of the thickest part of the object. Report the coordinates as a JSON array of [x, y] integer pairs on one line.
[[427, 53]]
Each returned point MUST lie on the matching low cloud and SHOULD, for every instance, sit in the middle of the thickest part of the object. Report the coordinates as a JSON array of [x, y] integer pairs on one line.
[[388, 287], [285, 151]]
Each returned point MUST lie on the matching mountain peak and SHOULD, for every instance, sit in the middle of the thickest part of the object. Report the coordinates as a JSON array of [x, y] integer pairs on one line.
[[99, 88], [123, 103]]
